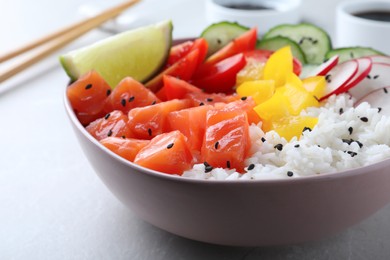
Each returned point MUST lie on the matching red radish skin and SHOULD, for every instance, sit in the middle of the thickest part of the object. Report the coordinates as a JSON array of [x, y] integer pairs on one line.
[[365, 65], [380, 59], [339, 77], [378, 77], [325, 67], [379, 98]]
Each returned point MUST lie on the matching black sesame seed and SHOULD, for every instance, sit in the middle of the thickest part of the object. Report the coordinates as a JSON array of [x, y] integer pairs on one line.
[[108, 92], [216, 145], [368, 76], [364, 119], [306, 129], [290, 173], [359, 143], [385, 90], [243, 98], [208, 168], [263, 139], [279, 147], [123, 137], [315, 41], [201, 104], [107, 116], [169, 146], [154, 102], [88, 86], [350, 141], [379, 109], [376, 76], [109, 133], [296, 146], [123, 102], [150, 132], [328, 78], [347, 141], [341, 111], [228, 164], [251, 167], [209, 100], [350, 130], [352, 153], [206, 164], [131, 99]]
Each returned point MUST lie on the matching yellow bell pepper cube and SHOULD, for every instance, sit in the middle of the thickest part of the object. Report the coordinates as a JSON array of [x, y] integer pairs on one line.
[[279, 66], [299, 98], [278, 106], [253, 70], [315, 85], [259, 90], [289, 127], [294, 80]]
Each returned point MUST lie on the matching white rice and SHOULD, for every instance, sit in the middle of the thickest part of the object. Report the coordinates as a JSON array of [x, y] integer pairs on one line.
[[321, 150]]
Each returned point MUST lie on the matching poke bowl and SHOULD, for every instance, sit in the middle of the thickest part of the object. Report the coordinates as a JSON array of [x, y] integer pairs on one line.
[[250, 211]]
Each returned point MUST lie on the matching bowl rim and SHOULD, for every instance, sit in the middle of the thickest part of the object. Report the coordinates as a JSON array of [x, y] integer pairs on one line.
[[177, 178]]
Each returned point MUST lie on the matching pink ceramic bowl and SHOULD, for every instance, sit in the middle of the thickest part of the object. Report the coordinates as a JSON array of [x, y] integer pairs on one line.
[[241, 213]]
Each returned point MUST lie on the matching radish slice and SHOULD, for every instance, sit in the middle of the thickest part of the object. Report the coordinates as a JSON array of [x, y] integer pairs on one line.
[[378, 77], [325, 67], [380, 59], [379, 98], [339, 77], [365, 65]]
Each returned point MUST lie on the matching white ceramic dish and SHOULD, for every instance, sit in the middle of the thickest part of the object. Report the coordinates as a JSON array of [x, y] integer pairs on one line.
[[278, 12], [355, 31]]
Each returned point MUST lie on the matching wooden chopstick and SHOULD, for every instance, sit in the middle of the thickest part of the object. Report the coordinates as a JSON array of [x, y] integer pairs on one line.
[[59, 39]]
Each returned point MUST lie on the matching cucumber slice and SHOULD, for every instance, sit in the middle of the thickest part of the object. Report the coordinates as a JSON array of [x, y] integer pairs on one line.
[[352, 53], [278, 42], [219, 34], [314, 41]]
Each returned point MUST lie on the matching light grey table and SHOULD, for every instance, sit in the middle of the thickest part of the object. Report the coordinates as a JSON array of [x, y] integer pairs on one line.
[[53, 206]]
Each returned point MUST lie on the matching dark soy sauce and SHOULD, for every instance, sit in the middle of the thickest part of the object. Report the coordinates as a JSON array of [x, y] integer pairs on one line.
[[244, 6], [383, 16]]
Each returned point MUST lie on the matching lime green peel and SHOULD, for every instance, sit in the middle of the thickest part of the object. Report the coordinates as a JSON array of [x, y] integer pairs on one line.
[[139, 53]]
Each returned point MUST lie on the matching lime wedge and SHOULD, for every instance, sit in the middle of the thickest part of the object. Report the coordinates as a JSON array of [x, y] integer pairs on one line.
[[138, 53]]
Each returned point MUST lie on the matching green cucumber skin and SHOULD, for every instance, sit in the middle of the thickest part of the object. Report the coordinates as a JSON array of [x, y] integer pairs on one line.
[[292, 31], [348, 53], [220, 34], [278, 42]]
